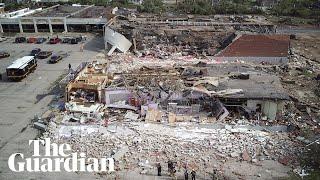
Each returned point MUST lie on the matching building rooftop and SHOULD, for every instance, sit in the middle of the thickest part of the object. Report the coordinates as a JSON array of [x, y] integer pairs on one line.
[[232, 82], [95, 12], [258, 86], [258, 46], [83, 11], [59, 11]]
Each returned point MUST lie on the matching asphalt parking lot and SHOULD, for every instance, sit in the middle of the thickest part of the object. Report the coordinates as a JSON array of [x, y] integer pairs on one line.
[[20, 100]]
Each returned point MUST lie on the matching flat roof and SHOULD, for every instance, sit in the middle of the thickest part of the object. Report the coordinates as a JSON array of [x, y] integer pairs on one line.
[[20, 63], [258, 86], [95, 12], [258, 46], [230, 76], [58, 11]]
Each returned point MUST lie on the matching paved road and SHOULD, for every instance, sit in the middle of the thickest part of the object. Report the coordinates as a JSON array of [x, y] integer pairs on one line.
[[19, 105], [19, 101]]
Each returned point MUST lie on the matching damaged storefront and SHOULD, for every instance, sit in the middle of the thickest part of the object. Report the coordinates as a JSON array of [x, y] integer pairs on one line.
[[88, 85]]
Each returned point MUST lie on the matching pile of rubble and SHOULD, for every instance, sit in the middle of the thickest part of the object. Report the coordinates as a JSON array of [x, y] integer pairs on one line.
[[141, 145], [169, 103]]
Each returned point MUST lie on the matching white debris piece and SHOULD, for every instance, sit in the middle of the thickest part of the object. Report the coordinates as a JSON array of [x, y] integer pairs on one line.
[[131, 115]]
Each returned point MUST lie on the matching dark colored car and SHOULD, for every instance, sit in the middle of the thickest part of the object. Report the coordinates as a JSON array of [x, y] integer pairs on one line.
[[41, 40], [35, 52], [66, 40], [74, 41], [54, 59], [20, 40], [54, 40], [44, 54], [32, 40], [4, 54], [79, 39]]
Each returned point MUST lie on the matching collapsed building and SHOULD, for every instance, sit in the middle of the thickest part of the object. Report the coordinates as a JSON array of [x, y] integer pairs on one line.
[[162, 85], [164, 36], [88, 84], [191, 91], [116, 40], [262, 95], [166, 108], [181, 93]]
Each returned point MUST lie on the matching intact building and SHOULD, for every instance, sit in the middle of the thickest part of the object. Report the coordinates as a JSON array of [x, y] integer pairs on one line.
[[58, 18]]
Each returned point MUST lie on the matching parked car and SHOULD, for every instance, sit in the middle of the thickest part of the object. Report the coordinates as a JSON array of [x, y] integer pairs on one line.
[[66, 40], [32, 40], [20, 40], [74, 41], [54, 59], [4, 54], [41, 40], [35, 52], [2, 38], [79, 38], [44, 54], [55, 40]]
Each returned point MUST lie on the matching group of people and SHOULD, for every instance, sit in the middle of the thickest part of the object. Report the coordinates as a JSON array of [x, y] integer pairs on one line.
[[186, 174], [172, 170]]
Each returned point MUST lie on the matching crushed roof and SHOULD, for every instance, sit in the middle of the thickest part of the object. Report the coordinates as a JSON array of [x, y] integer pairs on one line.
[[258, 86], [258, 46]]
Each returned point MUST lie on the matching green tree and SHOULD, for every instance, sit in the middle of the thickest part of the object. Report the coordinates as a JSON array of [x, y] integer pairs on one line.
[[299, 8], [152, 6]]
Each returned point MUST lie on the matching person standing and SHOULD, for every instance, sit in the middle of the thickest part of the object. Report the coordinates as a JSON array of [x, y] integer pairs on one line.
[[169, 166], [159, 169], [106, 122], [186, 175], [173, 169], [81, 47], [193, 174], [214, 175]]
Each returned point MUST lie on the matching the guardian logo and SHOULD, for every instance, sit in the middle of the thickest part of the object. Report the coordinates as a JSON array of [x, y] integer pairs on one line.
[[57, 158]]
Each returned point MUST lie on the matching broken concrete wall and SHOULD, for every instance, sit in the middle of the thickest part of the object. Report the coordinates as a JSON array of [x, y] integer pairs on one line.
[[101, 95], [117, 40], [253, 104], [147, 107], [224, 114], [77, 91], [269, 109], [194, 109], [87, 84], [271, 60], [281, 105], [116, 95], [153, 116]]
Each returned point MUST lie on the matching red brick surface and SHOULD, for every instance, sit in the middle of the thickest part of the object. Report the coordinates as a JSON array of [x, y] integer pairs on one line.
[[258, 46]]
